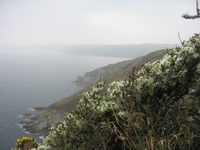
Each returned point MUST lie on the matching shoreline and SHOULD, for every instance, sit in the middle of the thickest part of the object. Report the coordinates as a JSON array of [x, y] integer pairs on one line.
[[32, 123]]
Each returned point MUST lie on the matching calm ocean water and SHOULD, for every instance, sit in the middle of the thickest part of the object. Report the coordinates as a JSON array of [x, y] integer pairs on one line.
[[37, 77]]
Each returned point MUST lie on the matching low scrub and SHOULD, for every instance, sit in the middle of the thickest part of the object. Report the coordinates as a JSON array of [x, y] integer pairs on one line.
[[156, 108]]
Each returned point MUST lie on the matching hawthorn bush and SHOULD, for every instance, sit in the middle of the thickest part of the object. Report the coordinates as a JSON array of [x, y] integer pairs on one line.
[[156, 108]]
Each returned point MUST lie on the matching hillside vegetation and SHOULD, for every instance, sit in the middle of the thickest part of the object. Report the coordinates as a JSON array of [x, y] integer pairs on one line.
[[69, 103], [155, 108]]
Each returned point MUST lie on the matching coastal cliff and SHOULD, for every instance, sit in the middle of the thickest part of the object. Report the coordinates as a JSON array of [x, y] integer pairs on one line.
[[55, 113], [99, 73]]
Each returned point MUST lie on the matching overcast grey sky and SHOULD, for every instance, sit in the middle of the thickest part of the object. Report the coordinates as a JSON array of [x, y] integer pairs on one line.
[[96, 21]]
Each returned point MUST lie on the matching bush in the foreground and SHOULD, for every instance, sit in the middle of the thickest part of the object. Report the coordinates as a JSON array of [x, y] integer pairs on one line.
[[26, 143], [157, 108], [29, 143]]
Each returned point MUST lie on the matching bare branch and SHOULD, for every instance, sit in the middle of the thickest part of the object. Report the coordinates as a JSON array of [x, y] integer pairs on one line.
[[186, 16], [180, 38], [197, 8]]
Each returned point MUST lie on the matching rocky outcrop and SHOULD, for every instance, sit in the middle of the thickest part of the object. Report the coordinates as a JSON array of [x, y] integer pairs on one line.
[[42, 121], [39, 108], [35, 127], [99, 73], [86, 79]]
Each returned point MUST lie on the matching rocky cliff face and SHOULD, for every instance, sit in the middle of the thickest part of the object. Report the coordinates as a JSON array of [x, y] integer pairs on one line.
[[44, 120], [99, 73]]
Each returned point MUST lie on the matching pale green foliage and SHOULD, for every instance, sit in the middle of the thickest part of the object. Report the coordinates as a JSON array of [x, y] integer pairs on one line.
[[198, 68], [153, 92], [92, 103]]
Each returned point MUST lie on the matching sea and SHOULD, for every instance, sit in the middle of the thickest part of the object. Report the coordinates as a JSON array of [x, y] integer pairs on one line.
[[35, 77]]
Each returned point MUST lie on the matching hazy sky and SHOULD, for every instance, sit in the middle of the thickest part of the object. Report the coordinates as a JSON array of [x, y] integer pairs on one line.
[[96, 21]]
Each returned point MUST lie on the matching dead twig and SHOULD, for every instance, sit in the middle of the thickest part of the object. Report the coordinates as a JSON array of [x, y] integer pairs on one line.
[[186, 16]]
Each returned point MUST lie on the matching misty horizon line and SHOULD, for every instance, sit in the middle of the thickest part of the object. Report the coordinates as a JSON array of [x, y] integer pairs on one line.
[[79, 44], [2, 45]]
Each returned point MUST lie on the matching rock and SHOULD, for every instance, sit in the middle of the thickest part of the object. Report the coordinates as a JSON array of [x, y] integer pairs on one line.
[[35, 124], [42, 126], [39, 108], [34, 118], [25, 115], [35, 127]]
